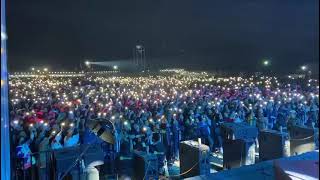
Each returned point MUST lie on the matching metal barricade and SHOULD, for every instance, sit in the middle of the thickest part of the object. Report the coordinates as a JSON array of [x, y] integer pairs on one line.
[[39, 169]]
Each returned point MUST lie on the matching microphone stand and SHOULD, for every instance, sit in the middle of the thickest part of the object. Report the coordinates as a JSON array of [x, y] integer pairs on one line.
[[76, 162], [80, 157]]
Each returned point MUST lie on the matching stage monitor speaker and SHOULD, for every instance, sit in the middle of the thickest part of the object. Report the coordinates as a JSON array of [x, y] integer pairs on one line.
[[273, 145], [301, 131], [302, 145], [237, 153], [64, 158], [232, 131], [145, 166], [302, 139], [194, 159]]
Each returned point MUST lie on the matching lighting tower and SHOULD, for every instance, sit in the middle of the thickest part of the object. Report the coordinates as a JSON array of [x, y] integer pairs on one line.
[[139, 57], [87, 63], [304, 68]]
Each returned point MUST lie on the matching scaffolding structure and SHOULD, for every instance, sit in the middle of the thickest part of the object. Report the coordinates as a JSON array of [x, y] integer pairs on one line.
[[139, 57]]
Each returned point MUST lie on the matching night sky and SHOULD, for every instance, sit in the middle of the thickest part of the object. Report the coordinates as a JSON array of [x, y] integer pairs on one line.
[[230, 35]]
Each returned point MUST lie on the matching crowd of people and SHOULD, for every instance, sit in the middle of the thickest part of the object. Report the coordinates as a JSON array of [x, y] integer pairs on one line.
[[152, 113]]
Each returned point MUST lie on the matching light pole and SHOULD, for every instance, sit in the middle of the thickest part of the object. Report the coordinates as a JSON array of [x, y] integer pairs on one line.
[[266, 63], [304, 69]]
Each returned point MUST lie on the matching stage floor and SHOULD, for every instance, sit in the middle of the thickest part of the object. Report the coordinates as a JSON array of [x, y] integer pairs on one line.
[[263, 170]]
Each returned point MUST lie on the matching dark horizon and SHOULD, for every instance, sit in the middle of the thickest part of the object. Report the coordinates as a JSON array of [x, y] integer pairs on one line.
[[229, 35]]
